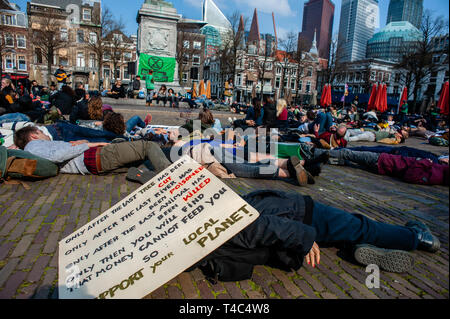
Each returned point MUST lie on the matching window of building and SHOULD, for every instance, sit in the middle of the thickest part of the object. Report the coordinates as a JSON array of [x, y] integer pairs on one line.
[[186, 44], [278, 70], [9, 19], [300, 85], [249, 83], [21, 42], [277, 83], [251, 64], [64, 34], [197, 45], [22, 63], [267, 82], [373, 75], [80, 36], [308, 86], [185, 77], [107, 55], [9, 61], [310, 72], [117, 37], [37, 55], [285, 83], [9, 40], [117, 73], [194, 74], [126, 75], [196, 59], [81, 63], [292, 84], [92, 61], [127, 56], [92, 37], [106, 72], [185, 58], [87, 14]]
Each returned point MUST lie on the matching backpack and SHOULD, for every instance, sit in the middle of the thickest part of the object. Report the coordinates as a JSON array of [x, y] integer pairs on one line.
[[18, 164]]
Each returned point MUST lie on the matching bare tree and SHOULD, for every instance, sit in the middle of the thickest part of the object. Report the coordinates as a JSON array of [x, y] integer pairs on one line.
[[335, 65], [419, 64], [46, 36], [289, 46], [229, 53], [98, 45], [264, 65], [2, 46], [299, 58]]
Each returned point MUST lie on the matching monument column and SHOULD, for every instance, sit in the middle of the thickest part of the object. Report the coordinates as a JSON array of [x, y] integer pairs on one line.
[[157, 41]]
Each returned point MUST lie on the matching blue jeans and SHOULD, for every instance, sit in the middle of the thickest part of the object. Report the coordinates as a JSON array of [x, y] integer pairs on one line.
[[337, 226], [133, 122], [325, 120], [67, 132], [13, 117], [403, 151]]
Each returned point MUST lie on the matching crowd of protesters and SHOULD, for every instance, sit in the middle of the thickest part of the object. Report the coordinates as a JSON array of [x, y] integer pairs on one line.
[[275, 140]]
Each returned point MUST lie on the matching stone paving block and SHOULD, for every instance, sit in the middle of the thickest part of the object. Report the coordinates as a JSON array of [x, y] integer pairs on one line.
[[174, 293], [52, 243], [5, 249], [27, 292], [38, 269], [233, 290], [187, 286], [12, 285], [287, 283], [32, 254], [22, 246], [7, 270], [41, 236], [34, 225], [10, 225], [204, 289]]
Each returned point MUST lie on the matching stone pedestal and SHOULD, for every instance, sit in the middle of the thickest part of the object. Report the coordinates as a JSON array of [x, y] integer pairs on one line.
[[157, 34]]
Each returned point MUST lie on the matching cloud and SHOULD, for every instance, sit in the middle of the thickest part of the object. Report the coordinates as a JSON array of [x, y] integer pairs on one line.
[[280, 7]]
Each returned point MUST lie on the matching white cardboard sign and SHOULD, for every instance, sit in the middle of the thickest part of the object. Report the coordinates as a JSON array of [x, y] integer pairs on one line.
[[153, 235]]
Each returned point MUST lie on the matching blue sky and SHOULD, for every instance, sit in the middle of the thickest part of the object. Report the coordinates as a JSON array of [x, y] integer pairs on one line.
[[288, 13]]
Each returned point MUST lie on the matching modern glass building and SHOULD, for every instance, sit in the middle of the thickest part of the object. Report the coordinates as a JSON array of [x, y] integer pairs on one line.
[[405, 10], [359, 19], [393, 41], [217, 27]]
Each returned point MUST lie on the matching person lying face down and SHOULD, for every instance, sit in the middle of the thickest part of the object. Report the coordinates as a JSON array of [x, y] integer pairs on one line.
[[82, 157]]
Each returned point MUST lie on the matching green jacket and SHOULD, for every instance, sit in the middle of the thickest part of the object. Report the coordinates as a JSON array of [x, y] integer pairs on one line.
[[149, 82]]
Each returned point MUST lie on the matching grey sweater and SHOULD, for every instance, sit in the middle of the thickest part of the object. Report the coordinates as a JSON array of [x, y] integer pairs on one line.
[[69, 158]]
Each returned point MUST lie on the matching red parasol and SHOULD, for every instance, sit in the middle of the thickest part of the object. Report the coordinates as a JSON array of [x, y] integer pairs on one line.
[[373, 95], [444, 99], [324, 94], [383, 104], [403, 97]]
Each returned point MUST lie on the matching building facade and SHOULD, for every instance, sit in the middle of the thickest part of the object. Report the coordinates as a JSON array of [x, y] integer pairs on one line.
[[405, 10], [124, 48], [359, 18], [78, 23], [393, 41], [14, 42], [318, 17], [191, 53]]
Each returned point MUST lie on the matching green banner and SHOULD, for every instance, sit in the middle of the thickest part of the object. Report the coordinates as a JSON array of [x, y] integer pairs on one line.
[[163, 68]]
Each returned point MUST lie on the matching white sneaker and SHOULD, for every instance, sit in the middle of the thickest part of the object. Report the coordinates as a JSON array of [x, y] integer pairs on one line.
[[230, 120]]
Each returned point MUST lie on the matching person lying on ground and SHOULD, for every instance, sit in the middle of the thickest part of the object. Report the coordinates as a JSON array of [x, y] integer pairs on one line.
[[292, 227], [62, 131], [385, 137], [409, 169], [82, 157], [334, 137]]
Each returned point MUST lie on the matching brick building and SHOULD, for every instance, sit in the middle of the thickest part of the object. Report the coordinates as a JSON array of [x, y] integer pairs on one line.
[[14, 41]]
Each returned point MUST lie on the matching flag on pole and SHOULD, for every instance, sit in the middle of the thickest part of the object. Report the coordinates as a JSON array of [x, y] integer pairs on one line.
[[345, 93]]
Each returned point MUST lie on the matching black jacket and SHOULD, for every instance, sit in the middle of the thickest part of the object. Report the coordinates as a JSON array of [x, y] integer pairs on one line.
[[270, 115], [63, 101], [280, 237], [80, 112]]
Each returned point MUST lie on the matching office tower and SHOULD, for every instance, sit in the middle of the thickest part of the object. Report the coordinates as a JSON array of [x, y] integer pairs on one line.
[[318, 16], [405, 10], [359, 19]]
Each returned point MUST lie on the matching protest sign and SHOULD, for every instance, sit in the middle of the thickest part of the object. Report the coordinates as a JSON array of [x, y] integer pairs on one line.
[[154, 234]]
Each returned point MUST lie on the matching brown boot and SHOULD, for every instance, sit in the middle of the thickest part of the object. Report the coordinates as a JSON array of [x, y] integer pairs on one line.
[[300, 172]]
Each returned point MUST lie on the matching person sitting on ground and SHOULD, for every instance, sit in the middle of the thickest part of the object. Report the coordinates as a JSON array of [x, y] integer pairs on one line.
[[82, 157], [117, 91], [136, 86], [162, 95], [254, 117], [87, 110], [282, 114], [325, 120], [172, 98], [409, 169], [64, 100]]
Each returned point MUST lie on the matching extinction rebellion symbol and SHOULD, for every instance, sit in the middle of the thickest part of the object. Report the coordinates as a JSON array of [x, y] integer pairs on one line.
[[155, 63]]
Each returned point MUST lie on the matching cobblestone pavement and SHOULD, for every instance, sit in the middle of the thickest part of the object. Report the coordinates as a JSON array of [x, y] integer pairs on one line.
[[33, 221]]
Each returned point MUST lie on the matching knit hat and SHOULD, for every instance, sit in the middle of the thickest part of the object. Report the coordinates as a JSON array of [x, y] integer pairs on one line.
[[106, 107]]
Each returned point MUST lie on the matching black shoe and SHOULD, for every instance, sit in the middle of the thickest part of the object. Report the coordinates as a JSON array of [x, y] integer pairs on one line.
[[427, 241], [140, 176], [398, 261], [314, 169]]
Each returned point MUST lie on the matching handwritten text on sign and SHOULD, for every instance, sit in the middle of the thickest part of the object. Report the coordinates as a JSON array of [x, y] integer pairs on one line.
[[154, 234]]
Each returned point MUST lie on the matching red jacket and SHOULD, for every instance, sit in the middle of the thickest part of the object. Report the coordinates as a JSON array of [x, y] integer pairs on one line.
[[412, 170], [326, 136]]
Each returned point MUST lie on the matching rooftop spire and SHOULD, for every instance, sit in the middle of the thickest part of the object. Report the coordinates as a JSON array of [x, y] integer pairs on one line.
[[314, 44], [254, 35]]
